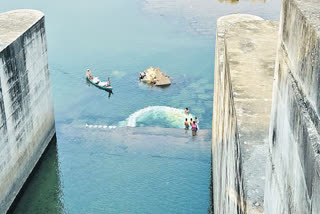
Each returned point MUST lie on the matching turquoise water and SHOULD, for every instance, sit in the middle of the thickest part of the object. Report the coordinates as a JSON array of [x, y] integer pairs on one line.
[[136, 170], [119, 39]]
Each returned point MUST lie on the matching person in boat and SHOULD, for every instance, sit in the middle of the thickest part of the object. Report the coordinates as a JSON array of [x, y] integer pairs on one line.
[[186, 124], [187, 111], [108, 83], [89, 74], [191, 122], [194, 129]]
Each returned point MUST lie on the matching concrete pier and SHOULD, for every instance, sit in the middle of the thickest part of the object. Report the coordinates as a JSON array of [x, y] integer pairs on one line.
[[26, 105], [245, 55], [293, 173], [266, 159]]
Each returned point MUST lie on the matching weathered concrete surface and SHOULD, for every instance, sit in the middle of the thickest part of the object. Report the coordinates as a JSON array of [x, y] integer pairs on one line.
[[293, 173], [244, 65], [26, 107]]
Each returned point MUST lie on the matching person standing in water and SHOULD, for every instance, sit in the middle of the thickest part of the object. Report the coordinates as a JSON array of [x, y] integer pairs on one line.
[[186, 124], [191, 122], [187, 111], [194, 129], [196, 120]]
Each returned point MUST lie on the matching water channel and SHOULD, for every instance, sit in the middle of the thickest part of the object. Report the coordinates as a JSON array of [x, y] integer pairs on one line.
[[126, 152]]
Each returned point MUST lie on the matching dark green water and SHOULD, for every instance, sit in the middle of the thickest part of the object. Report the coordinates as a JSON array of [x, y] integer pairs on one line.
[[118, 39]]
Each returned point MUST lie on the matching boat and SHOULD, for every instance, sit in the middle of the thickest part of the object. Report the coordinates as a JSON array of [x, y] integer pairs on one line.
[[96, 82]]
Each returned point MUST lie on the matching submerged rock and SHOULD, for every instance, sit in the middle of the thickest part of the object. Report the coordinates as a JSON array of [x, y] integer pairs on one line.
[[154, 76]]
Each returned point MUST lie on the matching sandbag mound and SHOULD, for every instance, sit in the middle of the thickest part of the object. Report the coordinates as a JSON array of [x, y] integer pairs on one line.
[[154, 76]]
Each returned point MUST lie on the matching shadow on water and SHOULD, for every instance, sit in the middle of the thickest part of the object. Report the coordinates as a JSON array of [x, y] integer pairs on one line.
[[210, 209], [41, 193], [152, 87]]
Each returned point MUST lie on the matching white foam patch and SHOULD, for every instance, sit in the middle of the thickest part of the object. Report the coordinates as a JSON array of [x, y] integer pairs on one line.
[[174, 117], [100, 127]]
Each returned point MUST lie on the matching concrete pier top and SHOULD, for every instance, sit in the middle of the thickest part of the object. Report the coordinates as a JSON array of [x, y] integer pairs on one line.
[[251, 51], [14, 23], [225, 21]]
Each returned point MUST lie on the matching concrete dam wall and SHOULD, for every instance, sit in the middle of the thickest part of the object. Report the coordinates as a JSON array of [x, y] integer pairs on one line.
[[26, 105], [293, 173], [245, 54], [266, 158]]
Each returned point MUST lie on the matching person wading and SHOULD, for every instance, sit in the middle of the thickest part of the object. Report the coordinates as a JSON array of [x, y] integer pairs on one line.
[[191, 122], [194, 129], [186, 124]]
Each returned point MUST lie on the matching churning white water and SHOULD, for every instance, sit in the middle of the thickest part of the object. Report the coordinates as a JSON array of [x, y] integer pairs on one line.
[[163, 116]]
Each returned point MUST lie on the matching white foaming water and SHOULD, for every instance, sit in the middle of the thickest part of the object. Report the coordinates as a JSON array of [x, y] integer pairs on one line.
[[100, 126], [163, 116], [173, 117]]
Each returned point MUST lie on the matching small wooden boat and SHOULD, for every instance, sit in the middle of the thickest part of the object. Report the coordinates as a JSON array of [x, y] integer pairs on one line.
[[96, 82]]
